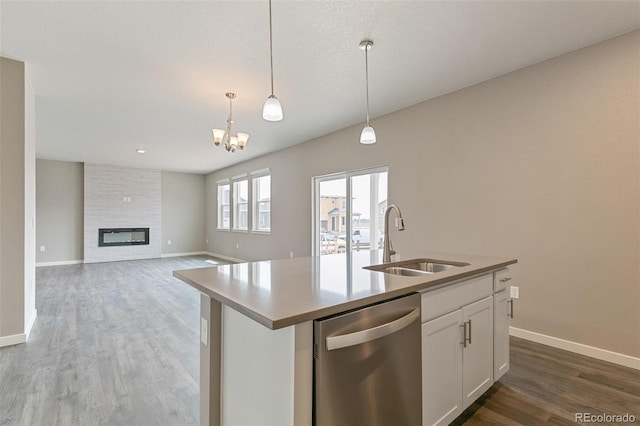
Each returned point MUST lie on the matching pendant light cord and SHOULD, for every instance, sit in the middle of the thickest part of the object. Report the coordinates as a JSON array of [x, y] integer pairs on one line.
[[366, 65], [271, 46]]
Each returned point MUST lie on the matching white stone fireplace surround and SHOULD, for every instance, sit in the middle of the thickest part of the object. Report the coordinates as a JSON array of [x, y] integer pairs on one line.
[[119, 197]]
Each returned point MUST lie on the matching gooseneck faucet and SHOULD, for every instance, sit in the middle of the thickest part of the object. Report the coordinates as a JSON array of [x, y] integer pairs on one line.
[[388, 249]]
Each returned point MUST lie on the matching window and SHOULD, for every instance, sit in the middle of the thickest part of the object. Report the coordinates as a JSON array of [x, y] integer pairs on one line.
[[349, 210], [261, 202], [224, 216], [240, 204]]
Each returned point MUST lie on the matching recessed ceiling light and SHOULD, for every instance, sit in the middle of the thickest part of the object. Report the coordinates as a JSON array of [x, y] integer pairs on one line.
[[140, 151]]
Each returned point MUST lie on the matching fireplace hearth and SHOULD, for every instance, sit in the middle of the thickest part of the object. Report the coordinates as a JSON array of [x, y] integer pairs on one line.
[[109, 237]]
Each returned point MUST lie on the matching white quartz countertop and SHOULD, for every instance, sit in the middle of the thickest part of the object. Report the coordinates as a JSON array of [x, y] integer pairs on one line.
[[283, 292]]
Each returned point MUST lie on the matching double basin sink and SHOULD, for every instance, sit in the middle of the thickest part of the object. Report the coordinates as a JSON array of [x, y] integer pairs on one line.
[[416, 267]]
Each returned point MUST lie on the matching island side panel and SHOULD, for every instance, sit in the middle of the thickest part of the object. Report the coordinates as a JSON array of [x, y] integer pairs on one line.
[[210, 360], [303, 375], [259, 373]]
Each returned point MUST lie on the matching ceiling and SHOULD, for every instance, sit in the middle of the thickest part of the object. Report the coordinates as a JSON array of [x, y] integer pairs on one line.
[[110, 77]]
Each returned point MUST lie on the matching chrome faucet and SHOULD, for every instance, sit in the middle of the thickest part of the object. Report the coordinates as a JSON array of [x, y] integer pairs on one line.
[[388, 248]]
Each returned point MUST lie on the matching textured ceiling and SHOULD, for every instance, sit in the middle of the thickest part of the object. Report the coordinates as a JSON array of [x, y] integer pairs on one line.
[[110, 77]]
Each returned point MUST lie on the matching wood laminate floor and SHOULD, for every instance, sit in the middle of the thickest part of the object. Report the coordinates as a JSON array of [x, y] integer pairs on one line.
[[546, 385], [117, 344], [114, 343]]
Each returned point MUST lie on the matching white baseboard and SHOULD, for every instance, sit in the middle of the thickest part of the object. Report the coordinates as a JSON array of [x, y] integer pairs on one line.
[[220, 256], [579, 348], [58, 263], [30, 323], [14, 339], [192, 253]]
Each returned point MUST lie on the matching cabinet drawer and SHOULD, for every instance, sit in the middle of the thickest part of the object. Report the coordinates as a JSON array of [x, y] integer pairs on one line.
[[501, 279], [454, 296]]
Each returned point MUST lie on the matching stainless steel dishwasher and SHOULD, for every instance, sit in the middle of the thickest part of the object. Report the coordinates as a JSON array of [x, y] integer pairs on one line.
[[367, 365]]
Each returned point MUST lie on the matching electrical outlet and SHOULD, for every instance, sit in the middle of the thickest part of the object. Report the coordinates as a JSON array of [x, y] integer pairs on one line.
[[42, 248], [237, 245], [206, 240], [290, 254], [203, 331], [515, 292], [169, 242]]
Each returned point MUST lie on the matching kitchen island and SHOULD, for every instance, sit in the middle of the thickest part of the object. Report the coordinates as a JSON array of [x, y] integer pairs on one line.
[[257, 324]]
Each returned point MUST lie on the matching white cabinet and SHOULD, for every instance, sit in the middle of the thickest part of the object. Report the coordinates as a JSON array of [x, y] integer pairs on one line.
[[477, 354], [442, 369], [457, 360]]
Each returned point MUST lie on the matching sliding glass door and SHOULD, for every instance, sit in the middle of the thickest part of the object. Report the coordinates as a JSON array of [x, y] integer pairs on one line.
[[348, 210]]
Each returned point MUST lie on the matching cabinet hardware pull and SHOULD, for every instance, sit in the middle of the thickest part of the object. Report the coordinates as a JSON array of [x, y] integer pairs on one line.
[[464, 334], [510, 314], [504, 280], [469, 331]]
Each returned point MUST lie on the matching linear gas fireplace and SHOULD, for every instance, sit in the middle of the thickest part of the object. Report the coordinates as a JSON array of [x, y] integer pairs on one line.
[[108, 237]]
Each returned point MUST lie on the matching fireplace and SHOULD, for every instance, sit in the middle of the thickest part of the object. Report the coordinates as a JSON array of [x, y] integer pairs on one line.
[[109, 237]]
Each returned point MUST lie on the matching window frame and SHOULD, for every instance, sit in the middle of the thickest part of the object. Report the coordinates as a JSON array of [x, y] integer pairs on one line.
[[219, 186], [255, 201], [235, 205]]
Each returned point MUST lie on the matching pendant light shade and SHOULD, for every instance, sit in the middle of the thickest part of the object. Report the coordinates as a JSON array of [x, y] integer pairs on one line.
[[272, 110], [368, 135]]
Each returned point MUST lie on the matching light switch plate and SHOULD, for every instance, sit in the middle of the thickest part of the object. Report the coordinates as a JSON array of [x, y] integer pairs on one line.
[[204, 325], [515, 292]]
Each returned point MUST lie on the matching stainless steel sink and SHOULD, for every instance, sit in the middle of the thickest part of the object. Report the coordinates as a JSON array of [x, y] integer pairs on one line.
[[416, 267]]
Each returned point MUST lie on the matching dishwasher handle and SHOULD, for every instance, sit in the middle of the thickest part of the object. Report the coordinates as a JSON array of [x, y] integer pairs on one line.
[[363, 336]]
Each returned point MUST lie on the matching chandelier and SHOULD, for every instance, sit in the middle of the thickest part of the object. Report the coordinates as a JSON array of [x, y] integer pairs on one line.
[[231, 143]]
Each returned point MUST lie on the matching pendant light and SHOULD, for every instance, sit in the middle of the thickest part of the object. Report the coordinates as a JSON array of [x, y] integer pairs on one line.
[[272, 110], [368, 135]]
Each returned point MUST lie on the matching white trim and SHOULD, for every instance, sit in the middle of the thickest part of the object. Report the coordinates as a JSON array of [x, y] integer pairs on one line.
[[14, 339], [30, 323], [192, 253], [260, 173], [59, 263], [224, 181], [243, 176], [579, 348], [220, 256]]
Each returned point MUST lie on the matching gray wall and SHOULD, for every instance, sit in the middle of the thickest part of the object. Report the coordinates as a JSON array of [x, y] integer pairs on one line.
[[17, 200], [183, 213], [60, 212], [60, 217], [541, 164]]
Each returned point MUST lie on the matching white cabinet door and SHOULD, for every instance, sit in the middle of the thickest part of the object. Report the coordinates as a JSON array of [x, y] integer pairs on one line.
[[477, 371], [500, 333], [442, 369]]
